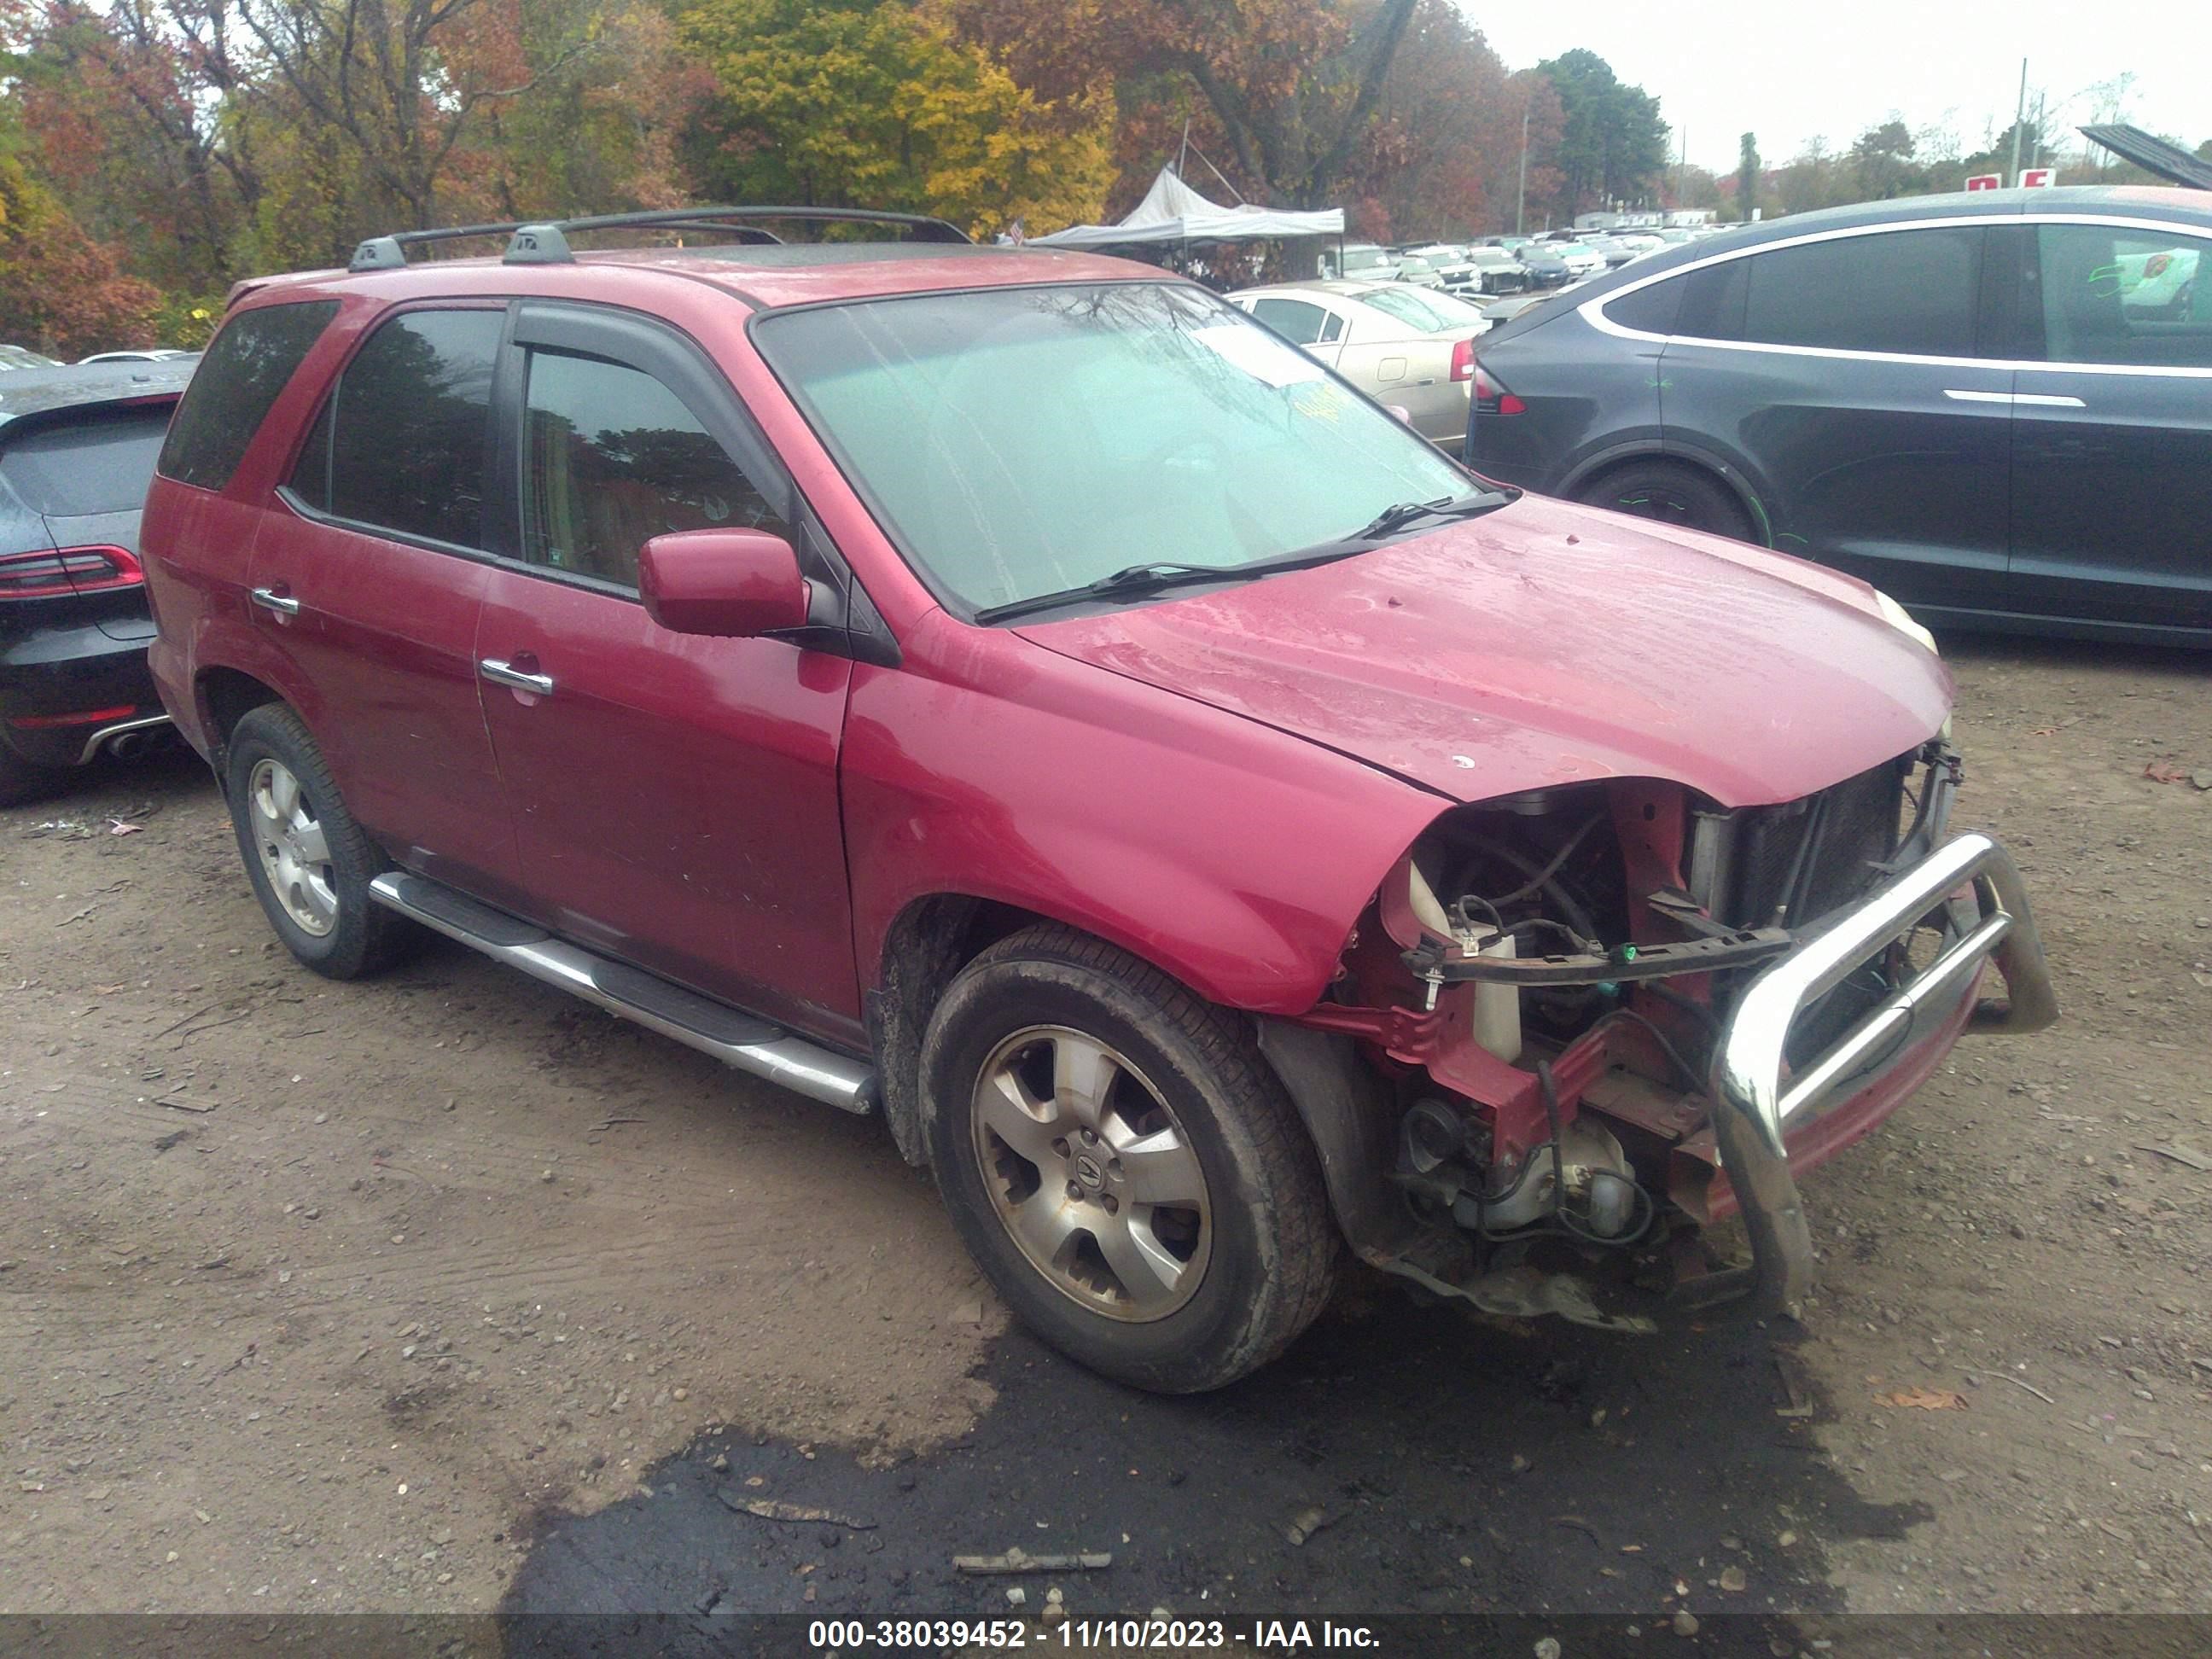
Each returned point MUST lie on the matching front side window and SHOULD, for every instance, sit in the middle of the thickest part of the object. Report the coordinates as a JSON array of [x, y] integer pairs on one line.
[[401, 445], [1019, 441], [2124, 295], [612, 458], [235, 385], [1913, 292]]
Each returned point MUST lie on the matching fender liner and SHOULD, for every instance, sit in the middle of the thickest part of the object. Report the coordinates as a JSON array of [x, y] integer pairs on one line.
[[1341, 1103]]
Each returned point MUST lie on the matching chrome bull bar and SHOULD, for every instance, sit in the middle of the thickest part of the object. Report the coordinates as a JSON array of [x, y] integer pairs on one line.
[[1756, 1104]]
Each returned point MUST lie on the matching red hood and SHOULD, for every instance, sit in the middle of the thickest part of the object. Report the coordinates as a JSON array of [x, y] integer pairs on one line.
[[1546, 643]]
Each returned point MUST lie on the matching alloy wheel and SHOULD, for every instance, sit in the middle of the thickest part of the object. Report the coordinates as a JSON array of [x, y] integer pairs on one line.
[[295, 854], [1090, 1173]]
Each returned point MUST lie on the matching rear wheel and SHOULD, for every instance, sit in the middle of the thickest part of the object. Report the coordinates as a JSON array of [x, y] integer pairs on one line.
[[1120, 1161], [1672, 494], [309, 862]]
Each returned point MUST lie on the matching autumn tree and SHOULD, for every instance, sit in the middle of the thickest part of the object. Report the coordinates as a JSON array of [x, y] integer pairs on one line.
[[61, 292], [879, 103]]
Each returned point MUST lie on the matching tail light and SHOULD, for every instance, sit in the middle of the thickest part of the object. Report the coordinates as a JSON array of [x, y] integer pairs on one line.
[[1462, 360], [1492, 398], [48, 574]]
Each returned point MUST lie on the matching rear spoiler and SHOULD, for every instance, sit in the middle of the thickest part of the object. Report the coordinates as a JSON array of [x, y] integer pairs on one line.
[[246, 285]]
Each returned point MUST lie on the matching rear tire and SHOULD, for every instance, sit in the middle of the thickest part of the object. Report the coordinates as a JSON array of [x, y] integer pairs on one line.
[[1671, 494], [309, 862], [1154, 1208]]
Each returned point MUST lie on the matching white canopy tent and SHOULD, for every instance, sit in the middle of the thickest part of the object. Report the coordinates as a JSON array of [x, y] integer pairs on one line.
[[1173, 212]]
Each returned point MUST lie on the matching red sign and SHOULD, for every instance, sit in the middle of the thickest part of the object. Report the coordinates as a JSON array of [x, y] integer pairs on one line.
[[1986, 182], [2038, 178]]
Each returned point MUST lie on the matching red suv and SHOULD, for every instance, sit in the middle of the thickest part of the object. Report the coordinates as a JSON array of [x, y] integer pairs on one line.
[[1015, 693]]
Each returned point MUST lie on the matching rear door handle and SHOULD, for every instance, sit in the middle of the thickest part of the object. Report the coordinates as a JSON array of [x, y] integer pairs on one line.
[[269, 599], [2015, 399], [502, 673]]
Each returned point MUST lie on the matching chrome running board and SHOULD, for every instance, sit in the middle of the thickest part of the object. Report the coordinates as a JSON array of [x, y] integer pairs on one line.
[[738, 1039]]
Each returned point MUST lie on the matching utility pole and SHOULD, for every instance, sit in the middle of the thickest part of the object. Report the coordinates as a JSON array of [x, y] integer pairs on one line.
[[1521, 201], [2019, 116], [2041, 99]]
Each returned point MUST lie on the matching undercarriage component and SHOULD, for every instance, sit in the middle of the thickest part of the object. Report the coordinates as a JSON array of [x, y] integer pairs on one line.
[[1432, 961], [1521, 1292]]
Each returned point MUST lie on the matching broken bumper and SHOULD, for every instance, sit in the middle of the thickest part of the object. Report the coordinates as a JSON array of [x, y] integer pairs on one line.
[[1970, 886]]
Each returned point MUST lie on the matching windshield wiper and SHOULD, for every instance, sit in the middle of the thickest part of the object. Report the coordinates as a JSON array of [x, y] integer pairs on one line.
[[1138, 579]]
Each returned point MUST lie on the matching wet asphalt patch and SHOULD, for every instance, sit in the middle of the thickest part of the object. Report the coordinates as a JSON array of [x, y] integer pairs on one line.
[[1429, 1463]]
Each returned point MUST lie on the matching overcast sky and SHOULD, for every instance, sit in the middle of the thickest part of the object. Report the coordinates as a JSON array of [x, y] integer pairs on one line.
[[1790, 71]]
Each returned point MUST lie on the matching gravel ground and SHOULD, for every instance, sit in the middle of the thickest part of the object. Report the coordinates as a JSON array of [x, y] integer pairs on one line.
[[400, 1296]]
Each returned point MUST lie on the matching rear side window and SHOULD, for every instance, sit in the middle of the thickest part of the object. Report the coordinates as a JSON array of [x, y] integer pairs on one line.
[[237, 380], [98, 463], [401, 445], [2124, 295], [1294, 319], [1910, 291], [1649, 310]]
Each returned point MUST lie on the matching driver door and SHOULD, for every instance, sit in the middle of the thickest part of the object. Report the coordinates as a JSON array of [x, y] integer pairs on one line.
[[674, 797]]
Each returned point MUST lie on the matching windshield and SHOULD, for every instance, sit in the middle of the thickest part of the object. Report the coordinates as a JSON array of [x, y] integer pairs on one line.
[[1018, 442]]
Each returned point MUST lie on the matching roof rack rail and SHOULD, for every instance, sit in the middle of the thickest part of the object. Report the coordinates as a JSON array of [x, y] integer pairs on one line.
[[547, 243], [389, 253]]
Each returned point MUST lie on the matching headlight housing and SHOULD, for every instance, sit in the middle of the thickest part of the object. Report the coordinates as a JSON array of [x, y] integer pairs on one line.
[[1901, 619]]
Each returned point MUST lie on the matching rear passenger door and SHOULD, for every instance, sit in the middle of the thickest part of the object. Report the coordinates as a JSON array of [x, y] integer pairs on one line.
[[1847, 377], [2112, 444], [372, 584], [674, 797]]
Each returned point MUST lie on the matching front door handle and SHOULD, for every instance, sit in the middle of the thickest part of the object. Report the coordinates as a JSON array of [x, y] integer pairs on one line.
[[506, 674], [269, 599]]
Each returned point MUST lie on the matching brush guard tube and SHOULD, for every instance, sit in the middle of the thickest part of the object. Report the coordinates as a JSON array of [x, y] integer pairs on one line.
[[1974, 882]]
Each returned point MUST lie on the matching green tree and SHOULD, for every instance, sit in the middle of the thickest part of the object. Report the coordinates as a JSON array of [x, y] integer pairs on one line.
[[1747, 176], [1613, 147], [874, 103], [1881, 162]]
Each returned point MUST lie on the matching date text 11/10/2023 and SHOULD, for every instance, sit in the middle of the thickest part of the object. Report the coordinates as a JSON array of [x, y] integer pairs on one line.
[[1129, 1635]]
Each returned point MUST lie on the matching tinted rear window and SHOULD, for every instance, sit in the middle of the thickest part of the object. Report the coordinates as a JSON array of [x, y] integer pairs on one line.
[[1910, 291], [1652, 310], [248, 366], [413, 420], [99, 463]]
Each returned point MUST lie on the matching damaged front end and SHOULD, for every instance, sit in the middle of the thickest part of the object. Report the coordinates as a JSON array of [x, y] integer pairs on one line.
[[1577, 1025]]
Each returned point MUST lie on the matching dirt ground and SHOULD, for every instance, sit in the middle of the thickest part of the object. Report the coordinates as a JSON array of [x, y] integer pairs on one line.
[[320, 1297]]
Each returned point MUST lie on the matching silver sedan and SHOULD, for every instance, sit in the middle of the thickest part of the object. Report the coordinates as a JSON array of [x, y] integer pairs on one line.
[[1409, 347]]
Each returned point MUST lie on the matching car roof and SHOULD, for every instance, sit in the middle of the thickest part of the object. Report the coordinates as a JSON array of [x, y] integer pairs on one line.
[[2191, 208], [28, 391], [764, 275]]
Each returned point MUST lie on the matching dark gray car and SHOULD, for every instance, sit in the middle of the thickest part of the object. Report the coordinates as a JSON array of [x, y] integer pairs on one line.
[[1995, 406]]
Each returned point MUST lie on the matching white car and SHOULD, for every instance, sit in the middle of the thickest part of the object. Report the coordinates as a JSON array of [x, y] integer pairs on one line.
[[1411, 348], [1582, 261]]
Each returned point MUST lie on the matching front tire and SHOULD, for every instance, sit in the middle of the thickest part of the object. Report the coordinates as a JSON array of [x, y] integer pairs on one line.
[[309, 862], [1121, 1163]]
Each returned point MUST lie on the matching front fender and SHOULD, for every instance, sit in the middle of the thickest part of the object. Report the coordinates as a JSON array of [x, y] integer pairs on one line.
[[1230, 854]]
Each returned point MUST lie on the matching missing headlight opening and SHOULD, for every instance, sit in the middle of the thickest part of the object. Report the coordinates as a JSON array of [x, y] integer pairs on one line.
[[1544, 982]]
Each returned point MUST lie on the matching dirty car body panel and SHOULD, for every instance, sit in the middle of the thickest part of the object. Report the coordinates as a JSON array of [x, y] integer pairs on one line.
[[1577, 884]]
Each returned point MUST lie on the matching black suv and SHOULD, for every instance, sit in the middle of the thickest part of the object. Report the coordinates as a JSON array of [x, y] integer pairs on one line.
[[76, 453], [1995, 406]]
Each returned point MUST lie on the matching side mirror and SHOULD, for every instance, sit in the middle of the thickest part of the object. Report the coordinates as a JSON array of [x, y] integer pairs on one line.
[[731, 584]]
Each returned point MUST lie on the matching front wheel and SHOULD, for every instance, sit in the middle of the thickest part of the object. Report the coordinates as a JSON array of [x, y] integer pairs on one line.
[[1120, 1161]]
